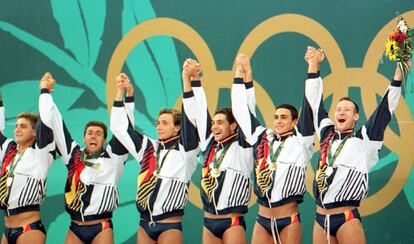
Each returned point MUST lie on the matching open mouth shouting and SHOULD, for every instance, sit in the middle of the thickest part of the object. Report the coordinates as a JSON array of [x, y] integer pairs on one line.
[[93, 147], [341, 121]]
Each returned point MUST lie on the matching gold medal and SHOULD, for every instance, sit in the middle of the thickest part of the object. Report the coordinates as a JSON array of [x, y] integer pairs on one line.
[[272, 166], [9, 181], [215, 172], [96, 165]]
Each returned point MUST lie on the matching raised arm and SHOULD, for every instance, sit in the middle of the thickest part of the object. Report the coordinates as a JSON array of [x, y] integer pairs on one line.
[[305, 122], [199, 106], [129, 98], [122, 127], [44, 133], [188, 134], [243, 100], [378, 121], [313, 102], [248, 80], [51, 118]]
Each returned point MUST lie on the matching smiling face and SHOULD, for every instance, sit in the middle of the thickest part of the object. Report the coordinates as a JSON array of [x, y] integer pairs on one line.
[[346, 115], [283, 121], [24, 132], [165, 127], [221, 127], [94, 138]]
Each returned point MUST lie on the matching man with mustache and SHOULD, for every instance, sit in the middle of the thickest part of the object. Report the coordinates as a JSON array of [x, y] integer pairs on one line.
[[91, 193]]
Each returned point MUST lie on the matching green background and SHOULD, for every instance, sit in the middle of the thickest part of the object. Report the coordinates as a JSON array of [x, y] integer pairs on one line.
[[74, 40]]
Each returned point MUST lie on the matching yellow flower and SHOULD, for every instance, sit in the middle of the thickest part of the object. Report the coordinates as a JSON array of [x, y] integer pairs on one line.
[[391, 49]]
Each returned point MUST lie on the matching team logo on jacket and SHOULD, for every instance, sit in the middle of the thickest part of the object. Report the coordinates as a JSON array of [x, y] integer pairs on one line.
[[145, 189], [4, 189], [208, 183], [74, 197], [324, 177], [264, 177]]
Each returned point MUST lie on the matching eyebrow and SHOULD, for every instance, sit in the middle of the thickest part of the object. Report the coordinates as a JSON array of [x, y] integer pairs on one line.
[[26, 124], [219, 120]]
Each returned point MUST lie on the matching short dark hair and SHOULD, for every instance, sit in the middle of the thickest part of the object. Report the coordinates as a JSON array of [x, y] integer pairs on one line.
[[291, 108], [32, 118], [174, 112], [96, 123], [228, 113], [352, 101]]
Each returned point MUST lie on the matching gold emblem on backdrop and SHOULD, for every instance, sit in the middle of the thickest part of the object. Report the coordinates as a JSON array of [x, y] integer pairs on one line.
[[337, 83]]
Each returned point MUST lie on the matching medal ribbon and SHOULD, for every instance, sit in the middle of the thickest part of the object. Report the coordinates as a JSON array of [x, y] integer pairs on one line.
[[274, 156], [86, 157], [326, 149], [15, 162], [217, 162], [331, 159], [157, 155]]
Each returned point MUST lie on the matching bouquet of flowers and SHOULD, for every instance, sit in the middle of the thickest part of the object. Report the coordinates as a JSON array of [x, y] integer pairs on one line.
[[399, 46]]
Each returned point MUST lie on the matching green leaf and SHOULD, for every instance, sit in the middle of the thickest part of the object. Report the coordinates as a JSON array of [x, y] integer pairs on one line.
[[83, 75], [153, 64], [81, 24]]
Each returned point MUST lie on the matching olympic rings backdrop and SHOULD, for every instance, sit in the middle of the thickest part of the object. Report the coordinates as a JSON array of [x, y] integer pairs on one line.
[[86, 43]]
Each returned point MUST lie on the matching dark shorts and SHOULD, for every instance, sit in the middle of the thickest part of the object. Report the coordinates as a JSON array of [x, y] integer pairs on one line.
[[155, 229], [335, 221], [275, 225], [88, 232], [219, 226], [12, 234]]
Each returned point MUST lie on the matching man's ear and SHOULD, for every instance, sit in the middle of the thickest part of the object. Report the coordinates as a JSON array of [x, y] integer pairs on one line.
[[295, 122], [177, 128], [356, 117], [233, 126]]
